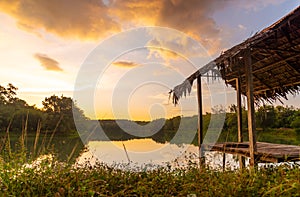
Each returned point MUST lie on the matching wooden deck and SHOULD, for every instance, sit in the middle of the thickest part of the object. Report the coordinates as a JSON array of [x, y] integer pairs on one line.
[[266, 152]]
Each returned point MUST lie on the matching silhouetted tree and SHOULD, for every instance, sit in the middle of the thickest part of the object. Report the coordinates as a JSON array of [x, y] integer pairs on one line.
[[60, 113], [7, 95]]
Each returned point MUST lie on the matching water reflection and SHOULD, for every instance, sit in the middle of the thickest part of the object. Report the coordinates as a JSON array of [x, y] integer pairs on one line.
[[140, 152]]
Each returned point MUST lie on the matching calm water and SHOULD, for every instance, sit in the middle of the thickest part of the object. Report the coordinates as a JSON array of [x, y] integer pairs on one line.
[[133, 154], [147, 152]]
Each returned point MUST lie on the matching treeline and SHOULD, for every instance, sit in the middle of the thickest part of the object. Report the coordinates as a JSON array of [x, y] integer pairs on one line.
[[268, 119], [55, 116]]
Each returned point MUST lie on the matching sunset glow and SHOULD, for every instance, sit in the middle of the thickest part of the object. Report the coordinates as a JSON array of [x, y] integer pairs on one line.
[[44, 44]]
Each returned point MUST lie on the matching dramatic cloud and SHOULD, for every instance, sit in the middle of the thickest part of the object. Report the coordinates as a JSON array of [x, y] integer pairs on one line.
[[47, 62], [125, 64], [95, 19], [173, 45], [66, 18], [136, 12], [193, 17]]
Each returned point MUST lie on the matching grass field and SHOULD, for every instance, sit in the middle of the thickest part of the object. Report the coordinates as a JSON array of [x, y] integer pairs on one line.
[[25, 174], [48, 177]]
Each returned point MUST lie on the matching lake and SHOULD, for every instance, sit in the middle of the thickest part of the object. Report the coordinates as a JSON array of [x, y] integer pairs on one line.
[[141, 153], [130, 154]]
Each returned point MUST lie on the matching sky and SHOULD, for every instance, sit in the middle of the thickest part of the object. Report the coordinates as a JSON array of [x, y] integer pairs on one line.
[[119, 59]]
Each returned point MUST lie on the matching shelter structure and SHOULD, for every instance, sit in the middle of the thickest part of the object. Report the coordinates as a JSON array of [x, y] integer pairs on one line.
[[265, 67]]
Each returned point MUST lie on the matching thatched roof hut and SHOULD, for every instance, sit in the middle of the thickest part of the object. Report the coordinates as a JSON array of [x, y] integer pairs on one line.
[[275, 57], [263, 67]]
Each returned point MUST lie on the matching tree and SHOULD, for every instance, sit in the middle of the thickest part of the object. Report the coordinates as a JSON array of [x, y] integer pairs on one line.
[[60, 113], [58, 105], [265, 116], [7, 95], [14, 112], [295, 123], [284, 116]]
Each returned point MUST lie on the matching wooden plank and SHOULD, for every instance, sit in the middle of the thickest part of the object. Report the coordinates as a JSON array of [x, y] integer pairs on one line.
[[251, 110], [200, 123], [266, 152]]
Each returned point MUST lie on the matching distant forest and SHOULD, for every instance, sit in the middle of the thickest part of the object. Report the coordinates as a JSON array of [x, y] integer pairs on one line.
[[57, 116]]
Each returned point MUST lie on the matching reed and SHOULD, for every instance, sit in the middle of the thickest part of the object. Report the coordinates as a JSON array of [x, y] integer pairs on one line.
[[41, 175]]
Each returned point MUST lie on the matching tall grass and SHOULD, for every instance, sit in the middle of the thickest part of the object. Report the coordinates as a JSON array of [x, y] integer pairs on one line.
[[40, 175], [60, 179]]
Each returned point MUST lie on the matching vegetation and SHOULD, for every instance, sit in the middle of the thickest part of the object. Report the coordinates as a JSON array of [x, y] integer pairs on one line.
[[48, 177], [31, 145], [56, 114], [56, 117], [50, 129], [274, 124]]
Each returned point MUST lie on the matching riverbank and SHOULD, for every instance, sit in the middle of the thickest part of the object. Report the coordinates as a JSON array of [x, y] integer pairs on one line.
[[23, 174], [52, 178]]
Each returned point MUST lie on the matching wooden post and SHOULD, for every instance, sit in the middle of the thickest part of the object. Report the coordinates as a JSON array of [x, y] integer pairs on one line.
[[251, 111], [224, 161], [239, 118], [200, 124]]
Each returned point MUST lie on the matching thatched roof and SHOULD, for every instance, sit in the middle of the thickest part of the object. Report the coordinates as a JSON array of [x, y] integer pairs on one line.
[[275, 56]]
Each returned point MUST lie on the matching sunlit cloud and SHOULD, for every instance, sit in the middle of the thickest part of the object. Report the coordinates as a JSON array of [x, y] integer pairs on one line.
[[58, 28], [47, 62], [94, 19], [85, 20], [192, 17], [125, 64]]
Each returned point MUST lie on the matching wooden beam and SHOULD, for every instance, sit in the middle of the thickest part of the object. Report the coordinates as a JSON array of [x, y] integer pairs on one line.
[[260, 89], [290, 50], [251, 110], [265, 67], [200, 123], [261, 81], [283, 60], [239, 118]]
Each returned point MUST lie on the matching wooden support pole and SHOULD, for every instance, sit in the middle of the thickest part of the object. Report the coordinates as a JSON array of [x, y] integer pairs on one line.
[[200, 123], [239, 118], [251, 110], [224, 161], [239, 109]]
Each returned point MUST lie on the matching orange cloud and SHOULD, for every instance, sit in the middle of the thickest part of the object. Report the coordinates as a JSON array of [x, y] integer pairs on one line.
[[193, 17], [94, 19], [125, 64], [47, 62], [68, 18], [136, 12]]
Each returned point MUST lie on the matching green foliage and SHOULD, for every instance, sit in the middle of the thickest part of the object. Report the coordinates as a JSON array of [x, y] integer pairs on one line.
[[268, 128], [52, 178], [57, 115], [295, 122], [284, 116], [268, 116], [24, 173], [7, 95]]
